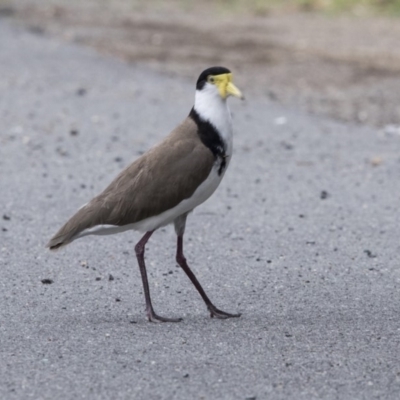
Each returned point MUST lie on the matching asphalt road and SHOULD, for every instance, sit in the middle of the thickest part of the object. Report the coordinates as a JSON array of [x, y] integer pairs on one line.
[[302, 238]]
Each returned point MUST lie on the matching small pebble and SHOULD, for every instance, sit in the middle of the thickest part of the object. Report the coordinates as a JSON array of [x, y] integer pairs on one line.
[[280, 121], [81, 92], [324, 195], [287, 146], [369, 254], [376, 161]]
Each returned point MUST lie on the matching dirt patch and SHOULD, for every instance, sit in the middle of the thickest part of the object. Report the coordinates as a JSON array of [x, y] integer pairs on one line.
[[345, 68]]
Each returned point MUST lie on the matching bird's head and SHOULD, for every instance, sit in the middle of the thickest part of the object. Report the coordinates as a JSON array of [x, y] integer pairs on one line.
[[218, 81]]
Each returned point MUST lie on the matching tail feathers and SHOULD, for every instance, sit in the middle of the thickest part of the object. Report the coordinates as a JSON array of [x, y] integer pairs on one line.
[[63, 237], [83, 219], [58, 241]]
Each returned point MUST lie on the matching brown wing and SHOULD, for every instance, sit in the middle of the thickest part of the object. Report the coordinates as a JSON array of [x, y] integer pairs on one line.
[[154, 183]]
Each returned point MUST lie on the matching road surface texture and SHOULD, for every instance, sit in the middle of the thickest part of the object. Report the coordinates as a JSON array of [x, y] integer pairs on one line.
[[302, 238]]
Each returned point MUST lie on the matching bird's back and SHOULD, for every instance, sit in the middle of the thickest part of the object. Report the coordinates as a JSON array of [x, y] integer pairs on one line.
[[159, 180]]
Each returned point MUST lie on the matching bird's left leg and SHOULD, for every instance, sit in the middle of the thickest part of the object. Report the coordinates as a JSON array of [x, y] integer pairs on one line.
[[180, 223]]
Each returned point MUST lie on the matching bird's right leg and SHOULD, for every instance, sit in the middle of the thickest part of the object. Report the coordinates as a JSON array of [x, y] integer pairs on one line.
[[151, 315]]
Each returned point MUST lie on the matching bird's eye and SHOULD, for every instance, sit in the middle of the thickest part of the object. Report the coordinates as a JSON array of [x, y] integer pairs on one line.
[[211, 79]]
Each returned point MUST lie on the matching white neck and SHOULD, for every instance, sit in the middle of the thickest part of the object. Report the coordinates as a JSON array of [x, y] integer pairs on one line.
[[213, 108]]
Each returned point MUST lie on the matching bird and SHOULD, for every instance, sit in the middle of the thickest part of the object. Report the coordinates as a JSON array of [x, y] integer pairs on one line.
[[166, 183]]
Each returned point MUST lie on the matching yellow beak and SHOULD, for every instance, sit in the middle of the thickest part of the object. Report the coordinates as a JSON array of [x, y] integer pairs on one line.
[[232, 90], [226, 87]]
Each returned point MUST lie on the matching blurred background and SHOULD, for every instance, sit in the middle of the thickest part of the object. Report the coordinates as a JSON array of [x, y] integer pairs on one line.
[[339, 58]]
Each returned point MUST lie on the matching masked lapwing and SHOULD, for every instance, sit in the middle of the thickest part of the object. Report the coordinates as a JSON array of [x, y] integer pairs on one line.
[[165, 184]]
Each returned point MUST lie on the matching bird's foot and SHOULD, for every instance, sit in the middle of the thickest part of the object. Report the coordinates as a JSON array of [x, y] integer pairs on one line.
[[216, 313], [153, 317]]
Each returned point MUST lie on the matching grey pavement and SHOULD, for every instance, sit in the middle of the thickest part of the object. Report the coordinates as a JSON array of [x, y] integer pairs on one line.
[[302, 238]]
